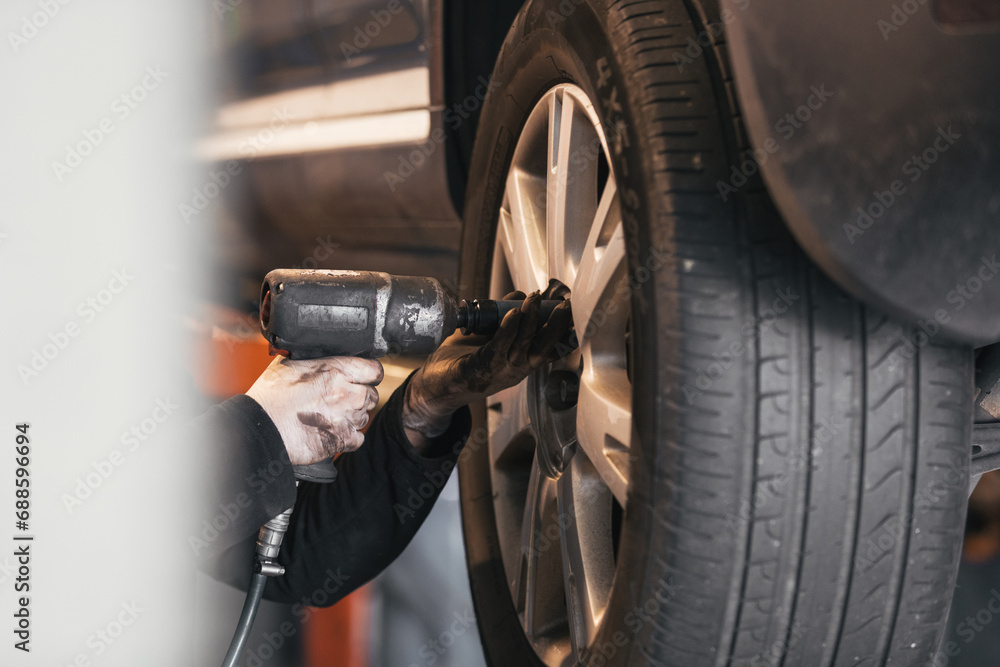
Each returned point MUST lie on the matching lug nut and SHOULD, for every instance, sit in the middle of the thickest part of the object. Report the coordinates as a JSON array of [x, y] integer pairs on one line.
[[562, 389]]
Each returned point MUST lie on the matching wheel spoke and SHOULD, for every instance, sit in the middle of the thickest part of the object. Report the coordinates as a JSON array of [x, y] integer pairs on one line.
[[604, 423], [519, 231], [595, 293], [538, 589], [607, 216], [585, 504], [511, 452], [574, 148]]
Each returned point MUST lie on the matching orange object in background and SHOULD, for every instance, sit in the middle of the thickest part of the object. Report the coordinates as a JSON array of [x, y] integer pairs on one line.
[[229, 355], [338, 636]]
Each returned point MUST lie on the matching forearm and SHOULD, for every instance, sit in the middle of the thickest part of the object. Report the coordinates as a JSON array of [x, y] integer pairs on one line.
[[425, 446], [344, 533], [249, 480]]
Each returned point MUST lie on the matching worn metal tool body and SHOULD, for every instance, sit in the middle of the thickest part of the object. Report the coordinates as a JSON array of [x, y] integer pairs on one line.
[[308, 314]]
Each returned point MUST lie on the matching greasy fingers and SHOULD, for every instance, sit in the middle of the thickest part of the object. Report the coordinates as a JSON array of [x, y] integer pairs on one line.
[[359, 419], [353, 442], [353, 396], [518, 355], [506, 335], [471, 369], [371, 400], [359, 371], [545, 346]]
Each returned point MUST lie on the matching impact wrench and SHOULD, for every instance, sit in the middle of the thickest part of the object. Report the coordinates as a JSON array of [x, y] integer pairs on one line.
[[310, 314]]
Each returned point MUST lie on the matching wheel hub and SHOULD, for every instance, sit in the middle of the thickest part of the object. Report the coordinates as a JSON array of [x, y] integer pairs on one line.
[[552, 396], [562, 390]]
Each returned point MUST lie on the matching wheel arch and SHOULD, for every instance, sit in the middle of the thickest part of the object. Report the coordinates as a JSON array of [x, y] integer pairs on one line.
[[472, 33], [844, 167]]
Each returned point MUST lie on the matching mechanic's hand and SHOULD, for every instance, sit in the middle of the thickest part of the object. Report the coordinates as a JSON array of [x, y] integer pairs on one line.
[[467, 368], [318, 405]]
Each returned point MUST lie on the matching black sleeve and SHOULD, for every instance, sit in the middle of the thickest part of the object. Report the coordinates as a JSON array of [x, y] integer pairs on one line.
[[344, 533], [249, 478]]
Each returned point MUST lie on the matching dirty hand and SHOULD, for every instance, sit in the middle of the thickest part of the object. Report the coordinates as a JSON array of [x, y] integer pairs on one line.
[[318, 405], [467, 368]]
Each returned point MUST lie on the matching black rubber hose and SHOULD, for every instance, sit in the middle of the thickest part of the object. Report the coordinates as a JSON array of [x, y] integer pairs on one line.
[[254, 594]]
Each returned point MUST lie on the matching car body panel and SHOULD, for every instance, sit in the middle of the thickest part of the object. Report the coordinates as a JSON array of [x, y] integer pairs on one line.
[[336, 113], [889, 174]]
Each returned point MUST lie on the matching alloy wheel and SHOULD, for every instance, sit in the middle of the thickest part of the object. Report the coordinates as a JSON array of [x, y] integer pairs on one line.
[[559, 441]]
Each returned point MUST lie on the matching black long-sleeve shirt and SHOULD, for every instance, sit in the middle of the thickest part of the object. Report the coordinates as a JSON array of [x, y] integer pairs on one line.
[[341, 534]]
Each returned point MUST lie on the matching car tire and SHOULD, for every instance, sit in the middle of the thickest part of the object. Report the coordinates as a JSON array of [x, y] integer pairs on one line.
[[796, 471]]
